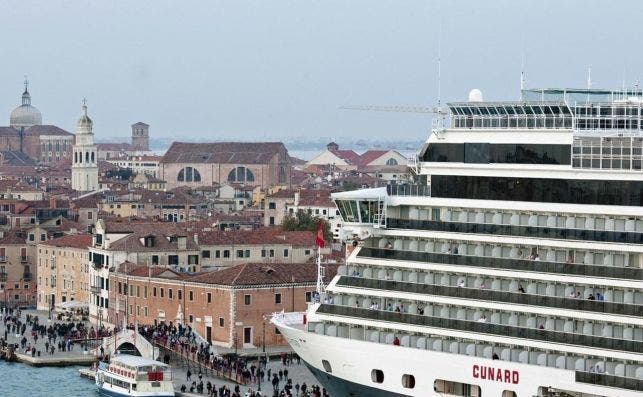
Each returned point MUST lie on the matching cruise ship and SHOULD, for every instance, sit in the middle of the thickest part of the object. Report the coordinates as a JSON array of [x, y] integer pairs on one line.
[[512, 266]]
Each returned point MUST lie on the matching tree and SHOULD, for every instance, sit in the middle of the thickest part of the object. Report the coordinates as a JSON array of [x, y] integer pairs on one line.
[[303, 221]]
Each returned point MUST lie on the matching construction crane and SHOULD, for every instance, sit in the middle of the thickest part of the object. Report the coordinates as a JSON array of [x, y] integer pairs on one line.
[[398, 109]]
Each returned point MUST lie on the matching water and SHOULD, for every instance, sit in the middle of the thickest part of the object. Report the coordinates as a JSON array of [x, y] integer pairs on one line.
[[19, 380]]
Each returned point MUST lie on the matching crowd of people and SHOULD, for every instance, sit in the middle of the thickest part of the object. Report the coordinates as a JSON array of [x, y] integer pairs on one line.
[[248, 374]]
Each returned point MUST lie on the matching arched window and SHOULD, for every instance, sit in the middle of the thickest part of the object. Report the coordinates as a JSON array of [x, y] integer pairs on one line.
[[87, 157], [75, 157], [241, 174], [92, 157], [391, 161], [189, 174], [282, 174]]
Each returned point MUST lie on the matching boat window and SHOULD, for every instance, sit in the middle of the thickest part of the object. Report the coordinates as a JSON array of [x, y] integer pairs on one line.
[[509, 393], [327, 366], [377, 376], [456, 388], [408, 381]]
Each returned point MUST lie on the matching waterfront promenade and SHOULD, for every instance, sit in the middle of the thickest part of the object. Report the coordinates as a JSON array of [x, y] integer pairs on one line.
[[60, 357], [181, 364]]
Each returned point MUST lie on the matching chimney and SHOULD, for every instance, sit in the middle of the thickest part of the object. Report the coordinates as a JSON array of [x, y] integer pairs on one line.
[[297, 199], [182, 242], [196, 238], [52, 203]]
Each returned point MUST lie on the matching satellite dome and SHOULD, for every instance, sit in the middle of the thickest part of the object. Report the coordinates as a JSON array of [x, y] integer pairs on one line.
[[25, 115], [475, 95]]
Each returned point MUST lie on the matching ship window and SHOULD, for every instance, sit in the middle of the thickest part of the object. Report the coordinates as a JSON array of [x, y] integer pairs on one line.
[[377, 376], [327, 366], [509, 393], [408, 381], [456, 388]]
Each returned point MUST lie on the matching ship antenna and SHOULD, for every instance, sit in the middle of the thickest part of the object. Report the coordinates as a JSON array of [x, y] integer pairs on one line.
[[589, 81], [440, 66], [522, 69]]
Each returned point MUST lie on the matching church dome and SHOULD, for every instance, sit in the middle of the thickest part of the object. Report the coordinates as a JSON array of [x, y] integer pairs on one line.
[[25, 115], [84, 123]]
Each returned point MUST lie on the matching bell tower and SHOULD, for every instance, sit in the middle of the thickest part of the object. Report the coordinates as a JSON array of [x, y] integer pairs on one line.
[[141, 136], [84, 169]]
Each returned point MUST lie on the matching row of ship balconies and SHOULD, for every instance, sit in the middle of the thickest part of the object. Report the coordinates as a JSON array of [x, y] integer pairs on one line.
[[587, 333], [507, 256], [589, 368], [624, 229], [581, 297]]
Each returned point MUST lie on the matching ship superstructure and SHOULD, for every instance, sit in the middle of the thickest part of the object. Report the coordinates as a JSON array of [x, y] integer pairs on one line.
[[513, 267]]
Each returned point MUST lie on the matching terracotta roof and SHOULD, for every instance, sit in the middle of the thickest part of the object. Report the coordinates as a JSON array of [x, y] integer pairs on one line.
[[262, 236], [347, 155], [264, 274], [133, 269], [223, 152], [370, 156], [80, 241], [12, 237], [47, 130], [15, 158]]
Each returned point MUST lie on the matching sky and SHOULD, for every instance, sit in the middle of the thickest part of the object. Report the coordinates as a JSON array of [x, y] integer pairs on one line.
[[281, 69]]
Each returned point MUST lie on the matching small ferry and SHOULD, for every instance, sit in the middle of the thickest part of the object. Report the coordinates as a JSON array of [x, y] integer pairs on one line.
[[134, 376]]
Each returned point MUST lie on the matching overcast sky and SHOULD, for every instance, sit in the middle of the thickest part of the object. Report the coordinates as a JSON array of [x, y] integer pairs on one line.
[[274, 69]]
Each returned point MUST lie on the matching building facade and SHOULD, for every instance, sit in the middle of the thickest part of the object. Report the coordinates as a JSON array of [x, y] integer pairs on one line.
[[248, 163], [63, 270], [227, 308]]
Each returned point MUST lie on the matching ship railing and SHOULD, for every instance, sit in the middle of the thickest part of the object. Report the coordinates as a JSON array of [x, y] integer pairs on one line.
[[290, 318], [513, 264], [611, 308], [559, 233], [566, 338], [603, 379]]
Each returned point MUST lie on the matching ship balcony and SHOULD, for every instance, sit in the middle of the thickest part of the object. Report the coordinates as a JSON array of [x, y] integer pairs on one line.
[[27, 276], [496, 329], [625, 237], [3, 259], [626, 372], [601, 379], [24, 259], [504, 263], [3, 276], [491, 295]]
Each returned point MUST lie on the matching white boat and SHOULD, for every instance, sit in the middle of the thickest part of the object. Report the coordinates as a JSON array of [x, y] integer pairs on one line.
[[127, 375], [512, 267]]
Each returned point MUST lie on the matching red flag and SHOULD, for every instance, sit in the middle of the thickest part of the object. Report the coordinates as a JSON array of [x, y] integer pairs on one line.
[[320, 234]]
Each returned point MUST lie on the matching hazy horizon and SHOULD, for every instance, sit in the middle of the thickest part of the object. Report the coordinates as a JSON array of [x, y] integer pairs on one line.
[[281, 69]]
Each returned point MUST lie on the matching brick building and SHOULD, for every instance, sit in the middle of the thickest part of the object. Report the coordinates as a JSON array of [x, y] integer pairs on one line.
[[154, 243], [63, 270], [26, 134], [221, 249], [251, 163], [228, 307], [16, 272]]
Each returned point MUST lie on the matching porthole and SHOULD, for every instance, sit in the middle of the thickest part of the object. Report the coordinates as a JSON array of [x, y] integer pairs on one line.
[[408, 381], [327, 366], [377, 376]]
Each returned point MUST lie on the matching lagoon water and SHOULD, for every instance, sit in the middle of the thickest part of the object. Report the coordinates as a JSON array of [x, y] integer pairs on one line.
[[19, 380]]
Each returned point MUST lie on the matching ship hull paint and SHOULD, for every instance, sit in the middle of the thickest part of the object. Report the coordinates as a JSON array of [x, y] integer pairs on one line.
[[353, 360], [337, 386]]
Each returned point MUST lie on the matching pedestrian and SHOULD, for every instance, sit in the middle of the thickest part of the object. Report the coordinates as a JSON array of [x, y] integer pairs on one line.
[[188, 376]]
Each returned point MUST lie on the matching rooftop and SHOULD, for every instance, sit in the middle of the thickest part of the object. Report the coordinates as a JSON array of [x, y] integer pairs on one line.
[[223, 152]]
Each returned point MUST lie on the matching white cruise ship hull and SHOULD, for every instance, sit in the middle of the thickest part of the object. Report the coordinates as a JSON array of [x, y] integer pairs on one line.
[[353, 360]]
